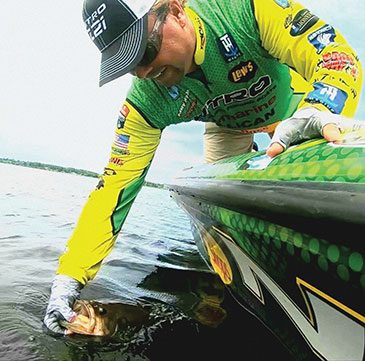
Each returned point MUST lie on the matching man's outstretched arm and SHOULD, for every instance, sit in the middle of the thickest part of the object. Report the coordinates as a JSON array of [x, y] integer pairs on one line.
[[104, 212], [321, 55]]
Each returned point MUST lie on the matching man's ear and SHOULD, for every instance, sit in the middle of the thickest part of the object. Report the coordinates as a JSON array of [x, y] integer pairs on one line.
[[177, 10]]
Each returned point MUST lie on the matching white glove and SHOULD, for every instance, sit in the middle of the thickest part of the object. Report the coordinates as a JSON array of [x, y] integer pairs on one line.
[[65, 290], [308, 123]]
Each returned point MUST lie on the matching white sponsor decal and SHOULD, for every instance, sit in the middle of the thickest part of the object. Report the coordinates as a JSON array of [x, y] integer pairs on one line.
[[330, 333]]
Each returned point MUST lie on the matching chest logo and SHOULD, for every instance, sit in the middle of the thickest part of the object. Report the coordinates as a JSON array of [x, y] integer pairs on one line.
[[173, 92], [243, 72], [228, 47]]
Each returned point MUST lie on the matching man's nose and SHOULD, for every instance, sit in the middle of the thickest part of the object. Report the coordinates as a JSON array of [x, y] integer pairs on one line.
[[143, 72]]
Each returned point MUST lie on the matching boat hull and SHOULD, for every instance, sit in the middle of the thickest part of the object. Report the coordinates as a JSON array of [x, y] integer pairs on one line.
[[286, 236]]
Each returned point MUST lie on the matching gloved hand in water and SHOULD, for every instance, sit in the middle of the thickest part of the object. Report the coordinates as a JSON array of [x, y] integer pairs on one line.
[[64, 292], [308, 123]]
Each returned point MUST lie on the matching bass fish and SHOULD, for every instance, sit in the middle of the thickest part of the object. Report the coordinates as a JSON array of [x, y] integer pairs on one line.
[[97, 319]]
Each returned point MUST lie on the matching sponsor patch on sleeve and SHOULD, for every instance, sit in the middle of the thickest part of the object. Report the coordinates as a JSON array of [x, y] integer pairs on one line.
[[302, 22], [322, 37], [283, 3], [331, 97], [122, 116], [120, 145], [339, 61]]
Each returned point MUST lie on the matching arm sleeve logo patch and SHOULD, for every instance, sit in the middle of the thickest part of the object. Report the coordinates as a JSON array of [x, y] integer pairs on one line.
[[303, 21], [322, 37], [331, 97]]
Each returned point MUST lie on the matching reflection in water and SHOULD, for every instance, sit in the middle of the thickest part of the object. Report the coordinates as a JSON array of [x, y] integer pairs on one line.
[[197, 294]]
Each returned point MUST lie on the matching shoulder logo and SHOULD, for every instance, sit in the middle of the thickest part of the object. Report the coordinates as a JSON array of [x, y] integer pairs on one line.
[[243, 72], [122, 116], [283, 3], [228, 47], [302, 22]]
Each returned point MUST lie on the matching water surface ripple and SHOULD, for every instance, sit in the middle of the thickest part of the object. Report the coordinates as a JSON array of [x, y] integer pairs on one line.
[[154, 262]]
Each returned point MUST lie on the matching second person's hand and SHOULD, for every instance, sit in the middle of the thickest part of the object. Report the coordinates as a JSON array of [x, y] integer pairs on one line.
[[308, 123]]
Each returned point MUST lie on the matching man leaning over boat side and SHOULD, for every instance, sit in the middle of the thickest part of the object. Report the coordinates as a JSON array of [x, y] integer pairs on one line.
[[242, 67]]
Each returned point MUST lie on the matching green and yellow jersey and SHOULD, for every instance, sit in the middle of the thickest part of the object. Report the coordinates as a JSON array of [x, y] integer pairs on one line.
[[259, 61]]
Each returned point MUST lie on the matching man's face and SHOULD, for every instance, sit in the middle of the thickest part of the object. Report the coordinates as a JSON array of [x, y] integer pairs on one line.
[[175, 57]]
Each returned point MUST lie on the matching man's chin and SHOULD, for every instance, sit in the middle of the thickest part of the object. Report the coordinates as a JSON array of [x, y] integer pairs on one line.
[[169, 82], [173, 79]]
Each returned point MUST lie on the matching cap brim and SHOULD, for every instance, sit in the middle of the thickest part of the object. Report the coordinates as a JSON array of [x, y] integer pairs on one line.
[[125, 53]]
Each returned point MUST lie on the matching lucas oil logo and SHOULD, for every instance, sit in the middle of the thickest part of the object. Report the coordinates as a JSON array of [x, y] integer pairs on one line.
[[217, 258], [243, 72], [228, 48], [96, 24]]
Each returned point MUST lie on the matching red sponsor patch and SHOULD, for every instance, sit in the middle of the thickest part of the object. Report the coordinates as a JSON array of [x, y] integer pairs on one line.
[[116, 161], [339, 61], [124, 111]]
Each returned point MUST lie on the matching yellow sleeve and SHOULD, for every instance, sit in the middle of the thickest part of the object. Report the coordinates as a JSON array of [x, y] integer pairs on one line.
[[108, 205], [315, 50]]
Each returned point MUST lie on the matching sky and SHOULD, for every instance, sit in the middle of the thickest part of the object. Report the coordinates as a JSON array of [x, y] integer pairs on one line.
[[52, 109]]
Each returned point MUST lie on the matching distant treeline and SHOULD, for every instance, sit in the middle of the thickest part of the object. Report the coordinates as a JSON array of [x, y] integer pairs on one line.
[[57, 168]]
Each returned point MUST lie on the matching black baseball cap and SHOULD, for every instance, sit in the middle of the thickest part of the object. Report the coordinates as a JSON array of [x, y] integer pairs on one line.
[[119, 29]]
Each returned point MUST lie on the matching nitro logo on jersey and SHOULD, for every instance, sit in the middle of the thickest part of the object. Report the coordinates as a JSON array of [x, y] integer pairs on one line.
[[96, 24], [243, 72], [241, 95], [228, 48]]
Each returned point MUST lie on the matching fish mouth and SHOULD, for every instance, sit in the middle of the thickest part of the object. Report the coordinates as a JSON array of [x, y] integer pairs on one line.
[[85, 320], [94, 318]]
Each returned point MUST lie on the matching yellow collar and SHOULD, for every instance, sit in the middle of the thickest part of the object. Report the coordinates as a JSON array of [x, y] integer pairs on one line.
[[201, 36]]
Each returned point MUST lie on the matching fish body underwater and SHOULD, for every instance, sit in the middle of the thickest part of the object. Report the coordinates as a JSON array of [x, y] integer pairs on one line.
[[104, 319]]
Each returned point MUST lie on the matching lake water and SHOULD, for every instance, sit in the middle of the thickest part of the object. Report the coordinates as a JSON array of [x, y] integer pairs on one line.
[[155, 261]]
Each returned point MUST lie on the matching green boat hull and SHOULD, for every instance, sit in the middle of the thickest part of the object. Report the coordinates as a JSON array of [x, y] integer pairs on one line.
[[287, 237]]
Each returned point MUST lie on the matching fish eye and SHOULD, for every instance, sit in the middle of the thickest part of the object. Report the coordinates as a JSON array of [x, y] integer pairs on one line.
[[102, 311]]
